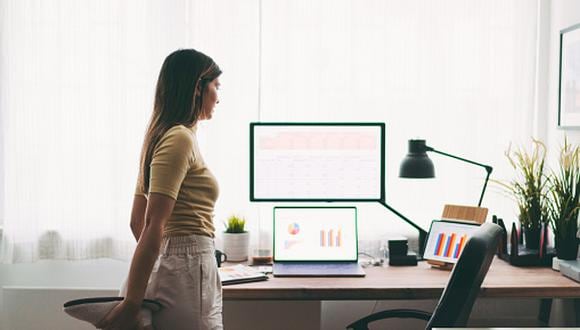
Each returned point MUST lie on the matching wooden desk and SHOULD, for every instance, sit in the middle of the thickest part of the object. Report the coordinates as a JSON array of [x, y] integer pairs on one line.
[[420, 282]]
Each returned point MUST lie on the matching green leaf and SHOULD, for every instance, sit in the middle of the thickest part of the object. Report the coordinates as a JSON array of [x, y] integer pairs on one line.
[[235, 224]]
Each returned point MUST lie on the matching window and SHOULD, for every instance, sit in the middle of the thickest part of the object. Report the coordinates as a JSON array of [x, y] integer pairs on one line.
[[77, 81]]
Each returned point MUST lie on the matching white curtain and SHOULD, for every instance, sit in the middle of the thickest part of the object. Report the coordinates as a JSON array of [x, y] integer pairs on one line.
[[458, 73], [77, 81]]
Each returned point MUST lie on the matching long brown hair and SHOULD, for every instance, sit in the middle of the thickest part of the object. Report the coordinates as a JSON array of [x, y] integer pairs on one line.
[[178, 100]]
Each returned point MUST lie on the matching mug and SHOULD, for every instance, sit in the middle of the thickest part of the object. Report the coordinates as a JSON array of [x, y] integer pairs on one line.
[[220, 257]]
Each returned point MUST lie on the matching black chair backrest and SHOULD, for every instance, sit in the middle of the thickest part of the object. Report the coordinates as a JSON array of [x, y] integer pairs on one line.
[[465, 280]]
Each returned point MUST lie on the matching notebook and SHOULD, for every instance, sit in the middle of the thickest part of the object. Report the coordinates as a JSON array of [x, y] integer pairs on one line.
[[316, 241], [447, 239]]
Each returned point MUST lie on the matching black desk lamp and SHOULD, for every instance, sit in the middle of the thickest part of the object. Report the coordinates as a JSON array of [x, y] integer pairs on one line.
[[418, 165]]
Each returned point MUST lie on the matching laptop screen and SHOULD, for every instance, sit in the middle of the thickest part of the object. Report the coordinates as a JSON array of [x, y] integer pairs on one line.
[[447, 239], [315, 234]]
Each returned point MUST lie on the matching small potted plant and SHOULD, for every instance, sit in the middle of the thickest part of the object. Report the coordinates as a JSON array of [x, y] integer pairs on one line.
[[564, 202], [529, 190], [236, 239]]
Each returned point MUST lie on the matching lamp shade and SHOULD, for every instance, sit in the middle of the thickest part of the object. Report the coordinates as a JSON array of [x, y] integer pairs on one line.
[[417, 164]]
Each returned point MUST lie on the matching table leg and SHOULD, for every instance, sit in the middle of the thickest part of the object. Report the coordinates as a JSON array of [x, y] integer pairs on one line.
[[577, 311], [544, 312]]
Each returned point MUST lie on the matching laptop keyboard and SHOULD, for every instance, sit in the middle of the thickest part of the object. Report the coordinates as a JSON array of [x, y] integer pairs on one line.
[[323, 269]]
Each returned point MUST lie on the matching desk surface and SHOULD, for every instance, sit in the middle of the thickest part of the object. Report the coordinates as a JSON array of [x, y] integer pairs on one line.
[[420, 282]]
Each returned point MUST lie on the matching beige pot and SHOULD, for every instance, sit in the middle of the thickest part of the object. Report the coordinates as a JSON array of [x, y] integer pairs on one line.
[[236, 246]]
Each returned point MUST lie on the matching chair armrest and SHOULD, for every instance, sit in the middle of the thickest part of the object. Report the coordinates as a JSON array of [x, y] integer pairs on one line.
[[363, 323]]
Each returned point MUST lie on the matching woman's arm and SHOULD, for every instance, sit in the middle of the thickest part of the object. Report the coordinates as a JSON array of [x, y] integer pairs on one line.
[[138, 215], [124, 316]]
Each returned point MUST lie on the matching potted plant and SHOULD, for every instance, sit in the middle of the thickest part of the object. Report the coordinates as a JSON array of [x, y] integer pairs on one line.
[[236, 239], [564, 204], [529, 190]]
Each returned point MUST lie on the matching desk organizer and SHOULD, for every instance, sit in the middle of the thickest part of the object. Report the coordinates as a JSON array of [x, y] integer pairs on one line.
[[517, 254]]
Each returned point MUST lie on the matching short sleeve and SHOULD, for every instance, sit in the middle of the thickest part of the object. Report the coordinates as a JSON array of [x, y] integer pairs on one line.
[[172, 158], [139, 191]]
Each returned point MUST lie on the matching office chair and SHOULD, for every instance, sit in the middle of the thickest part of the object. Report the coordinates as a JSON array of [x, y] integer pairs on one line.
[[459, 295]]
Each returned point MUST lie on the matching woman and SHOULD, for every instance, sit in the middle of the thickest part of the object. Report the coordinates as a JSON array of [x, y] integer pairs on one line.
[[173, 206]]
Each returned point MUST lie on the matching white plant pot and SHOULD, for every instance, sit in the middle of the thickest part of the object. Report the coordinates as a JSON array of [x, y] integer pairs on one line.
[[236, 246]]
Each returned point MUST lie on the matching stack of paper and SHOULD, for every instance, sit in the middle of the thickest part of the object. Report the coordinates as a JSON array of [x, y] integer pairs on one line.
[[240, 274]]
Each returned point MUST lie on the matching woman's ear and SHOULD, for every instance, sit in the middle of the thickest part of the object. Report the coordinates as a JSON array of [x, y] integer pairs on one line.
[[198, 87]]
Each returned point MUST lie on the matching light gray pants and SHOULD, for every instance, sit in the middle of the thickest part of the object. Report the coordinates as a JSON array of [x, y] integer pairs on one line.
[[185, 281]]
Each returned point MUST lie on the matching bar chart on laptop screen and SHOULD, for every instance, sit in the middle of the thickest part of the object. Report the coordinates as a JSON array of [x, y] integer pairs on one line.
[[316, 161]]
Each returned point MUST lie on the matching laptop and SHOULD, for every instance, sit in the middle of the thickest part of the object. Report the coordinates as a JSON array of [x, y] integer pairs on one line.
[[447, 239], [316, 241]]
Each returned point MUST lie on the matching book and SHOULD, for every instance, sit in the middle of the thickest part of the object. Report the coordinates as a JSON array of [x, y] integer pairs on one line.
[[240, 274]]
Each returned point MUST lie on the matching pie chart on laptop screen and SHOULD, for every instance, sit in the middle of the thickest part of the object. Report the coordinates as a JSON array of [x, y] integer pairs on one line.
[[293, 228]]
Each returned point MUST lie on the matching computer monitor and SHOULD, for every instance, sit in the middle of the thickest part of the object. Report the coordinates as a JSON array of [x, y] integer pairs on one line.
[[317, 162]]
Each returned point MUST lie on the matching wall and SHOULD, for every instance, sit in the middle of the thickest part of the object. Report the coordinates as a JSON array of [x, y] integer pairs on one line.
[[32, 295], [40, 289]]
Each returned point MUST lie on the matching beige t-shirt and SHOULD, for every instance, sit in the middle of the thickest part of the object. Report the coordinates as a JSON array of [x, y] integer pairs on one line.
[[178, 171]]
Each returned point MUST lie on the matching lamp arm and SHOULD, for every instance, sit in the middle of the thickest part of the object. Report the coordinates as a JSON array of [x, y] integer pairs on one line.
[[484, 186], [488, 168], [422, 232]]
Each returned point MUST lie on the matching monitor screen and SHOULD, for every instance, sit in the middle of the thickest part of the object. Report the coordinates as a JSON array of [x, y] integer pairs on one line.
[[315, 234], [317, 161], [447, 239]]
